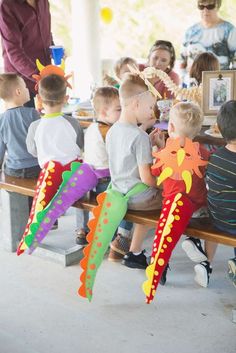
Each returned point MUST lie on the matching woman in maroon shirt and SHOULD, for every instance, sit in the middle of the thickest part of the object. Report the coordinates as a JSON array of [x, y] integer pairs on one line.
[[25, 27]]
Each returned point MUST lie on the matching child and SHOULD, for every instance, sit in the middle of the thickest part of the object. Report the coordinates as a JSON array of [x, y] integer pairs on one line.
[[130, 158], [14, 124], [45, 137], [203, 62], [185, 121], [120, 68], [221, 179], [107, 107]]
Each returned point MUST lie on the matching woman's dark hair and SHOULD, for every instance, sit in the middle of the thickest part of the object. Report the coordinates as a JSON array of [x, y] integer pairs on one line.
[[226, 120], [166, 45], [203, 62]]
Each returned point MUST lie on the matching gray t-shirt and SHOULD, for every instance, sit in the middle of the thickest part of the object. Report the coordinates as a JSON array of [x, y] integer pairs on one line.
[[128, 147], [14, 124]]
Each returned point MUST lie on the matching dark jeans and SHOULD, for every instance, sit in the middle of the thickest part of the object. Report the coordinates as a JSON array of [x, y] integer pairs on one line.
[[27, 173], [30, 103]]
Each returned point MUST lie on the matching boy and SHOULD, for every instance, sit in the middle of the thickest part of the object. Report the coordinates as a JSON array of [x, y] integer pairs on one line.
[[14, 124], [130, 158], [221, 179], [54, 137], [185, 121], [107, 108]]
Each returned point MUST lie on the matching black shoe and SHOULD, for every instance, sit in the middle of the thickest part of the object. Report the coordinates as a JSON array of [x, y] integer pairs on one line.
[[202, 273], [135, 261], [194, 250], [81, 238], [163, 277]]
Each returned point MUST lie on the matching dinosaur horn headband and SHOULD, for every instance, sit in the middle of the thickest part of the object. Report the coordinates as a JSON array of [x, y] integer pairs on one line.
[[49, 70]]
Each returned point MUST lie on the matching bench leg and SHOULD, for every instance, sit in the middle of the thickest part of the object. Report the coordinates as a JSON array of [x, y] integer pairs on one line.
[[234, 315], [15, 216]]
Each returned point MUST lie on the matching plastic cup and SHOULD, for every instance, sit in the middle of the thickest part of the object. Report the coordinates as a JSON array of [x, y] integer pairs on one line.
[[57, 53], [164, 107]]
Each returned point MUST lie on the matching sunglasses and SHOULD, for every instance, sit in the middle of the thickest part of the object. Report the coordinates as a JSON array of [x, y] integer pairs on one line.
[[208, 7]]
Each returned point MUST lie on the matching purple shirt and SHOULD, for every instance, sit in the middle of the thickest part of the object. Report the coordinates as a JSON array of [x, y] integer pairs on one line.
[[26, 36]]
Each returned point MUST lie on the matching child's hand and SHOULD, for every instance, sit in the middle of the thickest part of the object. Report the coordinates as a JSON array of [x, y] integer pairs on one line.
[[158, 138]]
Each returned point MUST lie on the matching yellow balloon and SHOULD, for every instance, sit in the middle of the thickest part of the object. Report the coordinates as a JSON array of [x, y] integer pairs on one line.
[[106, 15]]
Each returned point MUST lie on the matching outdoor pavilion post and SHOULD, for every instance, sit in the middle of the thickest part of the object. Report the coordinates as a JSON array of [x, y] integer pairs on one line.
[[86, 59]]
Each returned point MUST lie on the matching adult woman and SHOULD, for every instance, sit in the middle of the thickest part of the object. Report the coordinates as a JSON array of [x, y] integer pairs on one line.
[[162, 57], [211, 34]]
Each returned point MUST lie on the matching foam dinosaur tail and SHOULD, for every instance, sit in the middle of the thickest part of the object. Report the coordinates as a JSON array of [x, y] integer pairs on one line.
[[75, 183], [174, 218], [111, 209]]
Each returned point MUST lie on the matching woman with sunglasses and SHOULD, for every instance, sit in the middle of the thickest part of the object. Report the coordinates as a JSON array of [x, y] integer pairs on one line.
[[211, 34]]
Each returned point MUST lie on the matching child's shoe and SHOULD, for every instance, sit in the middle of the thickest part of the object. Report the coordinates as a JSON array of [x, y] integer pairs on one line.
[[194, 250], [114, 256], [202, 273], [81, 237], [164, 273], [232, 270], [135, 261], [120, 244]]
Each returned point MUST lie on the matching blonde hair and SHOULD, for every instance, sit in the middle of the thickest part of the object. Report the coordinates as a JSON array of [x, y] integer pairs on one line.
[[187, 118], [8, 83], [52, 89], [103, 97], [132, 85], [121, 62]]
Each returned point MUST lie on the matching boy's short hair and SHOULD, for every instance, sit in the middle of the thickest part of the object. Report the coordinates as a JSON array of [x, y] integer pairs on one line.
[[8, 82], [190, 118], [103, 97], [121, 62], [131, 86], [52, 89], [226, 120]]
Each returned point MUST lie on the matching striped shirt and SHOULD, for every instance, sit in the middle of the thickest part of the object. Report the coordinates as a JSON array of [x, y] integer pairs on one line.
[[221, 184]]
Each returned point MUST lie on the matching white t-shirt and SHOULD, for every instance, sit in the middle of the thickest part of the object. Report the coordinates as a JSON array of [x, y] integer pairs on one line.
[[55, 140], [95, 152]]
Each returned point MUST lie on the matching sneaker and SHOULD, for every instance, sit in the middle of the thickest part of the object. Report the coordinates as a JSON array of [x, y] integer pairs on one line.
[[120, 244], [114, 256], [232, 270], [81, 237], [55, 225], [194, 250], [163, 277], [135, 261], [202, 273]]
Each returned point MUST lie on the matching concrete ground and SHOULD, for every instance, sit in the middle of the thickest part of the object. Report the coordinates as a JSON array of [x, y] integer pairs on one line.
[[40, 311]]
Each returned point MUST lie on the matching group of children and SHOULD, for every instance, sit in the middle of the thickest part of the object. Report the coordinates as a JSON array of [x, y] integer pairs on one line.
[[120, 151]]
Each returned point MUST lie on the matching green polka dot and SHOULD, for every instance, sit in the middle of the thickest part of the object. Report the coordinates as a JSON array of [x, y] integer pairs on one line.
[[80, 172], [59, 202], [47, 220], [73, 184]]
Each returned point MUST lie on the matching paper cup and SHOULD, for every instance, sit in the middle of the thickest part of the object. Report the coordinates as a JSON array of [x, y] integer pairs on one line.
[[57, 52]]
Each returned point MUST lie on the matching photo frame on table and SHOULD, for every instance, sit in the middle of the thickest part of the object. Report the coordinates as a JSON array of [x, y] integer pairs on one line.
[[217, 88]]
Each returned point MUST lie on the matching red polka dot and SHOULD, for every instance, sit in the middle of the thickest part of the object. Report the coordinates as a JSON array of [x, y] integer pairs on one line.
[[105, 221], [108, 204], [92, 267], [99, 244]]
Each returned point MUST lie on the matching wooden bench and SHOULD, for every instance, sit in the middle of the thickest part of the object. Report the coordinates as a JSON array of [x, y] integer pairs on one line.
[[199, 228]]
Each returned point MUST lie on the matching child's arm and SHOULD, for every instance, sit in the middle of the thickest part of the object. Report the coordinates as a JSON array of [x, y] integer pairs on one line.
[[30, 143], [146, 175], [2, 151]]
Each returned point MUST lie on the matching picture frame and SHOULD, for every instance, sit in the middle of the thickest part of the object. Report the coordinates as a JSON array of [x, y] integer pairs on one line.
[[217, 88]]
